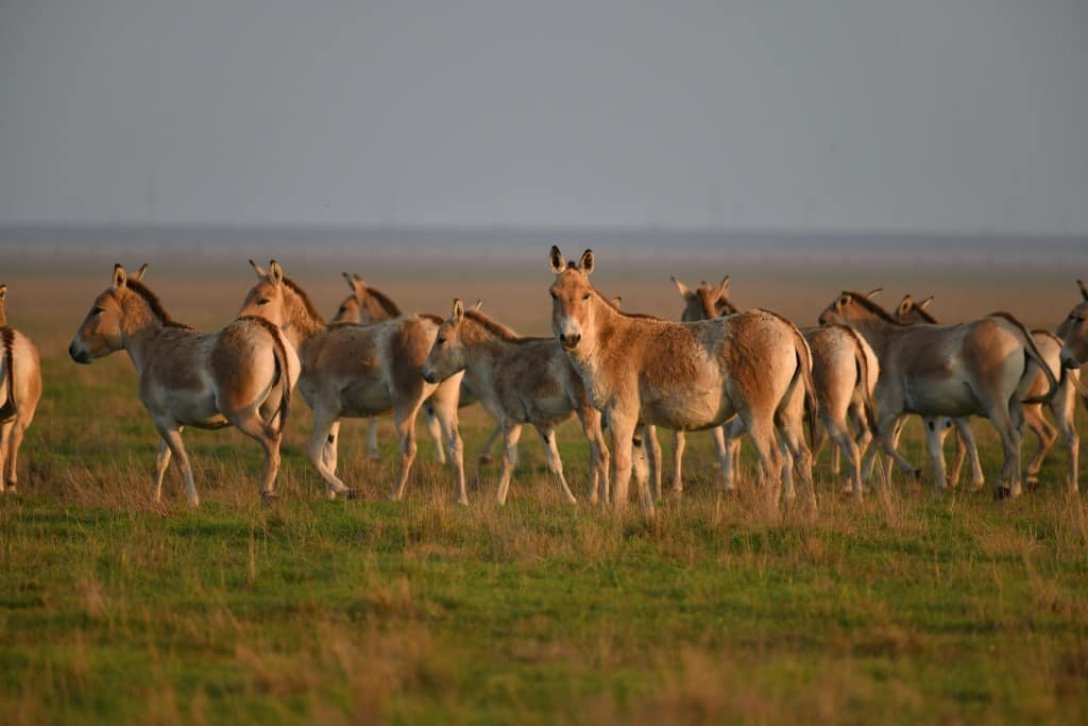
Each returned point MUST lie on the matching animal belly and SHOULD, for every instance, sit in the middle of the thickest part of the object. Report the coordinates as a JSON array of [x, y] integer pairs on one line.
[[683, 412], [365, 398], [546, 410], [941, 397]]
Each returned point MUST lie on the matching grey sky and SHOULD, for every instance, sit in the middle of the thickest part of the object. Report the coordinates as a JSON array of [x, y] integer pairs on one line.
[[949, 115]]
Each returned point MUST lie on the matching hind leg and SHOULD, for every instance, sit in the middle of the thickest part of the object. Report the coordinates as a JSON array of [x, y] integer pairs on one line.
[[934, 441], [489, 445], [5, 457], [444, 403], [332, 446], [162, 461], [322, 450], [555, 464], [404, 421], [965, 438], [590, 419], [250, 423], [1046, 435], [729, 454], [762, 431], [1005, 421], [1063, 405], [653, 459], [679, 443]]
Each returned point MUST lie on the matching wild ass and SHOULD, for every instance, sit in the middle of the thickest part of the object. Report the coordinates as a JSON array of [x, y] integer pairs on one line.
[[366, 305], [519, 381], [1073, 348], [688, 376], [844, 373], [984, 367], [20, 390], [359, 371], [241, 375]]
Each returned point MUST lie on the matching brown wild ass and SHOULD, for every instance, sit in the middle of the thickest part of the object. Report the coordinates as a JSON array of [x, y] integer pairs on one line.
[[519, 381], [359, 371], [241, 375], [1062, 405], [20, 390], [844, 373], [984, 367], [366, 305], [1073, 347], [689, 376]]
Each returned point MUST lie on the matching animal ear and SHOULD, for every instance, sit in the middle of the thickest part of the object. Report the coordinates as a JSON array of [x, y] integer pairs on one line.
[[586, 263], [905, 305], [1083, 289], [723, 288], [458, 311], [478, 305], [275, 272], [874, 292], [120, 279], [556, 259], [684, 290], [925, 303], [261, 272], [356, 284], [617, 301], [139, 275], [3, 292]]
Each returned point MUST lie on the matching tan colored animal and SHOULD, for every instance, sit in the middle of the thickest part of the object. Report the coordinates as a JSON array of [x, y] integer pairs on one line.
[[20, 390], [519, 381], [688, 376], [366, 305], [359, 371], [1069, 354], [844, 373], [984, 367], [241, 375]]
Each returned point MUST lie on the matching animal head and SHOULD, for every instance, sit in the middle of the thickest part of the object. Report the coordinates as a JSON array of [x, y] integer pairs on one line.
[[103, 329], [1074, 333], [572, 298], [853, 307], [705, 302], [266, 298], [914, 311], [447, 355]]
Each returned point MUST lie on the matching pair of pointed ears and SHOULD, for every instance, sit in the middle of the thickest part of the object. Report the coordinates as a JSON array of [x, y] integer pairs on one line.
[[585, 265], [908, 303], [121, 278], [721, 292], [273, 274], [356, 284], [1083, 289], [457, 314]]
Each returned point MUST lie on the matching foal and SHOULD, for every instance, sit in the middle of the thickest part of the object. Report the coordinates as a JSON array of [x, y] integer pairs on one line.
[[20, 390], [241, 375], [519, 381]]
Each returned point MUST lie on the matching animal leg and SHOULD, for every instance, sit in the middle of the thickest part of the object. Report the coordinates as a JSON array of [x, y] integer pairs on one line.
[[322, 451], [640, 467], [679, 442], [5, 447], [511, 434], [434, 428], [729, 454], [653, 458], [489, 445], [623, 431], [1003, 420], [1046, 435], [555, 464], [934, 440], [371, 440], [965, 438], [1063, 405], [445, 411], [590, 418], [250, 423], [162, 461], [404, 420], [171, 434], [762, 431]]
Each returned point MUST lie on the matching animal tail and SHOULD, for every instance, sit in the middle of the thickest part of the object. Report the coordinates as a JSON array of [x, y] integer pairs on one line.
[[10, 405], [1031, 352], [804, 365], [861, 363], [283, 368]]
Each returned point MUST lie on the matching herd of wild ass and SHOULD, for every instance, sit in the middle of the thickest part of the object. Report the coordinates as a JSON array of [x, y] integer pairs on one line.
[[852, 380]]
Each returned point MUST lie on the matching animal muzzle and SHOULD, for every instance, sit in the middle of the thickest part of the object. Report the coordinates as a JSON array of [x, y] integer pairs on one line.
[[78, 355], [430, 376], [569, 341], [1069, 360]]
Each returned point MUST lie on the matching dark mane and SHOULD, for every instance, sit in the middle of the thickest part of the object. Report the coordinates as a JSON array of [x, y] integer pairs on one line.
[[921, 312], [872, 307], [388, 305], [492, 326], [306, 301], [153, 302], [635, 316]]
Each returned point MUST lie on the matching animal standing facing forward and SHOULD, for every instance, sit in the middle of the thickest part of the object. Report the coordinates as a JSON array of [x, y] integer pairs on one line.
[[20, 389]]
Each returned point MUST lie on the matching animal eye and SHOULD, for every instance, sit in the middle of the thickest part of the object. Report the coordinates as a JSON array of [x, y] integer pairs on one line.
[[441, 341], [343, 309], [263, 301], [99, 311], [586, 296]]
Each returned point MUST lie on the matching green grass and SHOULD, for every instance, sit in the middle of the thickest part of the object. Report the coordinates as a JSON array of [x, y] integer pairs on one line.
[[903, 608]]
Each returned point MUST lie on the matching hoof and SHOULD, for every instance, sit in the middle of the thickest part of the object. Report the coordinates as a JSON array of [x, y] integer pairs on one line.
[[483, 460], [269, 497], [1032, 484], [916, 475], [1002, 493], [346, 494]]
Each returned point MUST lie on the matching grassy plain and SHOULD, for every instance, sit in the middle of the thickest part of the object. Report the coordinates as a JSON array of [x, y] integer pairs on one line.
[[901, 609]]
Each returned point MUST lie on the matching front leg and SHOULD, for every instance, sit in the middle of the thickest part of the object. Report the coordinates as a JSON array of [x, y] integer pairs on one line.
[[171, 434]]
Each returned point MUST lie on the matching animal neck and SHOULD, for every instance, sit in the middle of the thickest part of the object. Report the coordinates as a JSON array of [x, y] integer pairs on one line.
[[301, 320], [140, 326], [379, 307]]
